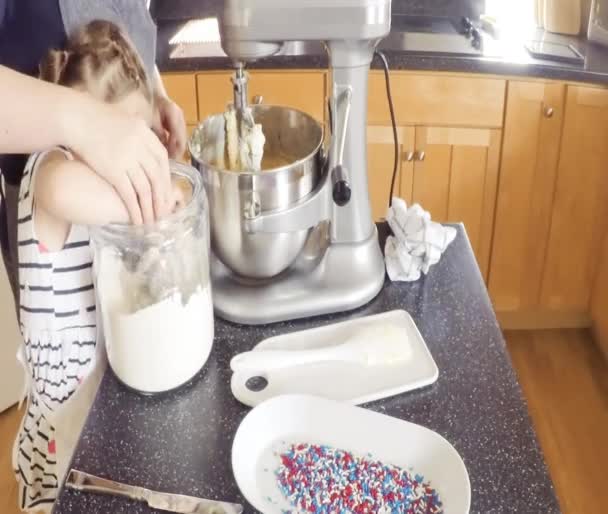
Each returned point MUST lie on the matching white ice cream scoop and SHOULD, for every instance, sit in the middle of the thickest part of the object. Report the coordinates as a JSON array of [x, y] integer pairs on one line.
[[369, 346]]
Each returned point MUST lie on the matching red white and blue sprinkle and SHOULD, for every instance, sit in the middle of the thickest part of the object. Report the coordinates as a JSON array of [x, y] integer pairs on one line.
[[325, 480]]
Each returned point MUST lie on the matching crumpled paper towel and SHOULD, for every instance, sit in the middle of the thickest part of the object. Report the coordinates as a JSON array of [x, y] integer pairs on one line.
[[417, 243]]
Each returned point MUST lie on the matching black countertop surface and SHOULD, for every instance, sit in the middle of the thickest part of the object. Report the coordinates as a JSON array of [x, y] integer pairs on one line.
[[504, 55], [181, 442]]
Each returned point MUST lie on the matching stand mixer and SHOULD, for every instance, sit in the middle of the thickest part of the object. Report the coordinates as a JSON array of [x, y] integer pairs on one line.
[[341, 266]]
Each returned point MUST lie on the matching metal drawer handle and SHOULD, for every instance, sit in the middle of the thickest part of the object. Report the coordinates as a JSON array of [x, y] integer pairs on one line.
[[409, 156], [548, 112], [420, 155]]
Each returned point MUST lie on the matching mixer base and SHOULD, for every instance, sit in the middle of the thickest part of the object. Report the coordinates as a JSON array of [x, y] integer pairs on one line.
[[346, 276]]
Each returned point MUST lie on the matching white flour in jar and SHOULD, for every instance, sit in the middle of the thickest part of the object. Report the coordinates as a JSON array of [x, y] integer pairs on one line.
[[157, 347]]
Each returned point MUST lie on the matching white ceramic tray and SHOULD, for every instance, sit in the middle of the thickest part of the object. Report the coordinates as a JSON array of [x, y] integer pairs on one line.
[[343, 381], [280, 422]]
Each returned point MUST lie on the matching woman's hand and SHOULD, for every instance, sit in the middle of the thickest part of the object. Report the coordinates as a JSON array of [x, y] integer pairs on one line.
[[120, 148], [125, 152], [170, 125]]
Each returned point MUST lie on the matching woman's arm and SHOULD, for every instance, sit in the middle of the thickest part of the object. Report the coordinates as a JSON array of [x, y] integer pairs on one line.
[[35, 115], [170, 123]]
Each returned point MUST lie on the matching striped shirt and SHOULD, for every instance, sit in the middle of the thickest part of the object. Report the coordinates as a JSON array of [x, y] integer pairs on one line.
[[58, 324]]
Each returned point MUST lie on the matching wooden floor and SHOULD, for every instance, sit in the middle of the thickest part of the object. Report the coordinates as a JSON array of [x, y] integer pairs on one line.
[[565, 380]]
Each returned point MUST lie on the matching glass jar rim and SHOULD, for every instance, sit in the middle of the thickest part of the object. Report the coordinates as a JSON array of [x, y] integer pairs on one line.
[[126, 229]]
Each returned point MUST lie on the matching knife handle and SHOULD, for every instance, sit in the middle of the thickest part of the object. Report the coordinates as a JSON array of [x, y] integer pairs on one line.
[[81, 481]]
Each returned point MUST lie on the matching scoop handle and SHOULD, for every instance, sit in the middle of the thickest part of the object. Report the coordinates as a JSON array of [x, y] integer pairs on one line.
[[265, 360]]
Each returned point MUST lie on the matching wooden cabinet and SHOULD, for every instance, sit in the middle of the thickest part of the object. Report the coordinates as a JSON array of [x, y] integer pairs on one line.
[[437, 99], [525, 195], [522, 164], [580, 206], [552, 207], [455, 178], [303, 90], [202, 94], [599, 301], [181, 87], [451, 171]]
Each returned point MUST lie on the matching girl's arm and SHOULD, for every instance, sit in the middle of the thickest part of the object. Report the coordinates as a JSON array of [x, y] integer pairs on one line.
[[35, 115], [67, 192]]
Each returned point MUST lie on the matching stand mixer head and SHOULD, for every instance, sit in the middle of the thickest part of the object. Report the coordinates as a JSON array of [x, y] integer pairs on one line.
[[348, 269]]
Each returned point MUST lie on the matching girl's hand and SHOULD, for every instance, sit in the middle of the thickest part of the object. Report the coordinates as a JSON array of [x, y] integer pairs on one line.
[[125, 152], [170, 126]]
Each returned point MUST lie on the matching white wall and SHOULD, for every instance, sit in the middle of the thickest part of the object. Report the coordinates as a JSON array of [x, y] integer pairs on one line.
[[11, 373]]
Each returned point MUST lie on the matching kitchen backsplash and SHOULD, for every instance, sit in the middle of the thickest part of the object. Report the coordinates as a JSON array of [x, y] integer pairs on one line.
[[471, 8], [182, 9], [186, 9]]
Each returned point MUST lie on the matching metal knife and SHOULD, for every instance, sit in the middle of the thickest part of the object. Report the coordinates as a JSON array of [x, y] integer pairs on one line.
[[179, 503]]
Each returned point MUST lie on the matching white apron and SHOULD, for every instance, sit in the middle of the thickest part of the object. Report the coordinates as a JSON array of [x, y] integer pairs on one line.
[[60, 352]]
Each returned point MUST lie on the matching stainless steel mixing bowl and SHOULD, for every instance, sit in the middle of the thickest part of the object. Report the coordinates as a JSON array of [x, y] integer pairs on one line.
[[233, 195]]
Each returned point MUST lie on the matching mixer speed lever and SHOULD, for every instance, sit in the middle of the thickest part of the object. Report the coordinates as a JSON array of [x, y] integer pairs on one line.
[[339, 174], [340, 186]]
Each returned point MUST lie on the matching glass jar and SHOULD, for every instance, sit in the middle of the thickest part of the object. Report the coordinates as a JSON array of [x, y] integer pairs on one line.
[[154, 293]]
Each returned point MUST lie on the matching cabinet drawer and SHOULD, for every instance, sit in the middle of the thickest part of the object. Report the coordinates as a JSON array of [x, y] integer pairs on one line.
[[301, 90], [181, 88], [437, 100]]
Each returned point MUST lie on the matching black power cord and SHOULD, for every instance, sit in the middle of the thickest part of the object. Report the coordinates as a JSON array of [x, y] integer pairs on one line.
[[393, 121]]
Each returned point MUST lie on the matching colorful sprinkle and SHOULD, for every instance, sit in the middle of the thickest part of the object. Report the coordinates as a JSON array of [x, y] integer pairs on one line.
[[324, 480]]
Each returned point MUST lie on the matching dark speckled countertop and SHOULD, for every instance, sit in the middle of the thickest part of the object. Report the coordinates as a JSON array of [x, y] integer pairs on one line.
[[505, 55], [181, 442]]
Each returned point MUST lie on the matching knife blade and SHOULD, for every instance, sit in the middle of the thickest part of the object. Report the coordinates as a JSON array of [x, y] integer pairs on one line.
[[189, 504], [169, 502]]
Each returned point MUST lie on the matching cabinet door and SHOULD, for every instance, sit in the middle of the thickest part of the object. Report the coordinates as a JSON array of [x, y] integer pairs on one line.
[[455, 177], [380, 163], [301, 90], [599, 302], [181, 88], [580, 208], [525, 194]]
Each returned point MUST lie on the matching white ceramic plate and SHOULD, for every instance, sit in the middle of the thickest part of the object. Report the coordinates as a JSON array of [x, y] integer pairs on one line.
[[344, 381], [277, 423]]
